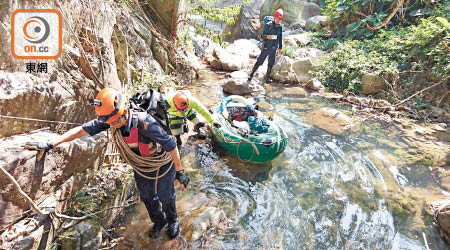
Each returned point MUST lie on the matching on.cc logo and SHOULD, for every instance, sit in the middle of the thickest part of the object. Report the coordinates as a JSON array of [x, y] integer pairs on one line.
[[36, 34]]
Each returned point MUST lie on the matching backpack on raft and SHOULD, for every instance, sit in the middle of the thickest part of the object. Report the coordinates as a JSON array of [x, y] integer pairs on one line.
[[152, 102], [258, 124]]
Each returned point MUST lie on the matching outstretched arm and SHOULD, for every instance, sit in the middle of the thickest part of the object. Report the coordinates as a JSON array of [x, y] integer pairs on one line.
[[202, 110], [70, 135], [43, 147]]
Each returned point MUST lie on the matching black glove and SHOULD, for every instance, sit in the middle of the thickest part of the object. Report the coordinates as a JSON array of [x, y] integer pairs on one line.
[[217, 125], [42, 147], [182, 178]]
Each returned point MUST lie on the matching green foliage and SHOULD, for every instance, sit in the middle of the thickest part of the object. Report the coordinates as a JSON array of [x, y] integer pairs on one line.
[[215, 36], [352, 17], [226, 15], [288, 51], [422, 48], [183, 38], [152, 81], [325, 43], [342, 68]]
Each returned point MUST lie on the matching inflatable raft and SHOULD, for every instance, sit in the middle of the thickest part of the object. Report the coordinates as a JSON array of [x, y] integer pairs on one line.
[[246, 132]]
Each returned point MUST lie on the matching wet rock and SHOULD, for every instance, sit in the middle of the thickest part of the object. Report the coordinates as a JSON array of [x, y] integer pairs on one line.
[[330, 120], [265, 106], [237, 86], [441, 211], [294, 91], [207, 218], [314, 84], [420, 131], [40, 179], [202, 213], [294, 10], [372, 84], [83, 236], [441, 127]]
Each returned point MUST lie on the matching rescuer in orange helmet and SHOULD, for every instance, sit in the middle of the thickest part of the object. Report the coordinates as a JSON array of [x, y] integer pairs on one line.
[[143, 135]]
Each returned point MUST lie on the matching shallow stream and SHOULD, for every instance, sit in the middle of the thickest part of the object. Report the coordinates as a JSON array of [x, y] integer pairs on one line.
[[324, 192]]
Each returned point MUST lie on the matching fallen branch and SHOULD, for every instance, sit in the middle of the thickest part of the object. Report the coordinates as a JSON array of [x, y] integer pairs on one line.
[[384, 23], [401, 102]]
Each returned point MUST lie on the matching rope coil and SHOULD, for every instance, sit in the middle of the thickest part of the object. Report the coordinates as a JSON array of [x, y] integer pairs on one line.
[[141, 164]]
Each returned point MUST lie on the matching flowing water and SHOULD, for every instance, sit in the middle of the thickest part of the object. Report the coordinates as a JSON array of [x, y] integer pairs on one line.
[[323, 192]]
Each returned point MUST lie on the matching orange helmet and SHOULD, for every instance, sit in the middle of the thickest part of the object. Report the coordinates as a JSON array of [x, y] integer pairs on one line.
[[181, 101], [109, 105], [279, 13]]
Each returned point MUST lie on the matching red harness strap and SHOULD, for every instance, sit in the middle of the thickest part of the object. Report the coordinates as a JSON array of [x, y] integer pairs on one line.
[[133, 142]]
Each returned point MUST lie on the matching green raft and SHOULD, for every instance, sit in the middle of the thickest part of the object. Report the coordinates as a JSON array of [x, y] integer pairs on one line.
[[247, 146]]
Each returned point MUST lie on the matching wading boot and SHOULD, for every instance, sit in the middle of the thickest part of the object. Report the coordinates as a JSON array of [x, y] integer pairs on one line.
[[174, 229], [157, 227], [268, 78], [255, 67]]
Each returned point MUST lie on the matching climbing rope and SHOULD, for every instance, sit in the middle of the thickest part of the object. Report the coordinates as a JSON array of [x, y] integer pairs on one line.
[[37, 120], [141, 164]]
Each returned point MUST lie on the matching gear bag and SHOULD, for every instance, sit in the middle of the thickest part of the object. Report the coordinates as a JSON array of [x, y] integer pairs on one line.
[[152, 102], [268, 20]]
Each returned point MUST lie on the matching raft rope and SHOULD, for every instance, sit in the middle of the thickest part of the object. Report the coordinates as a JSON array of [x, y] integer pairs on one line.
[[141, 164], [37, 120]]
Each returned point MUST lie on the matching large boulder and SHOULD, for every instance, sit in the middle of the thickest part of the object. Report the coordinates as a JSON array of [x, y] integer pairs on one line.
[[221, 59], [247, 24], [330, 120], [282, 70], [314, 84], [372, 84], [24, 95], [165, 13], [315, 22], [38, 179], [245, 48], [238, 84], [296, 70], [294, 10], [301, 67]]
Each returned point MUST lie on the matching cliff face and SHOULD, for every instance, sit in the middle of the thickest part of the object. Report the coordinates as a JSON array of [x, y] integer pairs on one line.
[[105, 44]]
